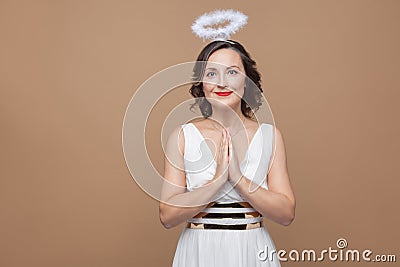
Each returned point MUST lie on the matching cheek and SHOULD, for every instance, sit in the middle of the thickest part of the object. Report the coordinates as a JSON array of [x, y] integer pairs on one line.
[[237, 82], [239, 93], [239, 85], [207, 88]]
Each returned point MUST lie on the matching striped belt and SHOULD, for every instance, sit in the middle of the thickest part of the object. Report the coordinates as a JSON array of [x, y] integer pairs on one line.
[[234, 216]]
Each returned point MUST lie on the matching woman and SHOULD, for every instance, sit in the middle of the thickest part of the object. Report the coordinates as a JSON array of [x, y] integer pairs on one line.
[[210, 192]]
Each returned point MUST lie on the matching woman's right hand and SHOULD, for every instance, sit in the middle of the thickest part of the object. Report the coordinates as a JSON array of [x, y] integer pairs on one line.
[[222, 159]]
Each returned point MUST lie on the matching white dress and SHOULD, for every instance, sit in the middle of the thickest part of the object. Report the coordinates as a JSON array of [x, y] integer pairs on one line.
[[226, 247]]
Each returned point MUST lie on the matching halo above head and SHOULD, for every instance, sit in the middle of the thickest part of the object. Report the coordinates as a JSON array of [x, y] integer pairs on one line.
[[202, 26]]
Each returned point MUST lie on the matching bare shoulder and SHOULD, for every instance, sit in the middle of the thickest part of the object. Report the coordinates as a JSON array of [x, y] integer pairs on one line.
[[280, 147], [278, 135]]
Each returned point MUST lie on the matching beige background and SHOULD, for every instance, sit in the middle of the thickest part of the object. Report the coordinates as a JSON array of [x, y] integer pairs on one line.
[[69, 68]]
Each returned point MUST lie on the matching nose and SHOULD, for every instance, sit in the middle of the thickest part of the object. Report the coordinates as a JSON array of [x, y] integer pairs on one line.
[[222, 83]]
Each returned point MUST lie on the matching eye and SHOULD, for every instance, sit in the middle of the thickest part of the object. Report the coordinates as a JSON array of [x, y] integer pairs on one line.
[[211, 74], [232, 72]]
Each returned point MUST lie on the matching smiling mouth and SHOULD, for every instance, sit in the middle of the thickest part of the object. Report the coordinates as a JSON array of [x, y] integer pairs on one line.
[[223, 93]]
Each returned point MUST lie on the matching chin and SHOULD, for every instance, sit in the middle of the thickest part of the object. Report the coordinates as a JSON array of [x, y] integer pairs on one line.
[[226, 103]]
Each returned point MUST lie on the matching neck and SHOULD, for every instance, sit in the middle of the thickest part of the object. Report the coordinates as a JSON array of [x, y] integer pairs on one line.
[[232, 120]]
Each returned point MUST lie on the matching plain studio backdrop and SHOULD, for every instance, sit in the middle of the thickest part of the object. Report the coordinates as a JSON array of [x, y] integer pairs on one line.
[[68, 69]]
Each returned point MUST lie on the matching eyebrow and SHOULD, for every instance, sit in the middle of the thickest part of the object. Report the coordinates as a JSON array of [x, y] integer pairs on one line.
[[233, 66]]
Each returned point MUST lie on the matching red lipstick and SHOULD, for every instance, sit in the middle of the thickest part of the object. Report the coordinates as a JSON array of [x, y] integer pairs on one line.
[[223, 93]]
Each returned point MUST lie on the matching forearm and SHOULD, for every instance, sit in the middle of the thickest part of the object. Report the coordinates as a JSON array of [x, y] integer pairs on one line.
[[272, 205], [183, 206]]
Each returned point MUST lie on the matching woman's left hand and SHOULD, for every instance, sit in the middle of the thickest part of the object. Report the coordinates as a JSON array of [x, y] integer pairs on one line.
[[234, 172]]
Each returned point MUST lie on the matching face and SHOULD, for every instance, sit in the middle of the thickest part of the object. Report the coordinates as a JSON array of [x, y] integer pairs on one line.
[[224, 78]]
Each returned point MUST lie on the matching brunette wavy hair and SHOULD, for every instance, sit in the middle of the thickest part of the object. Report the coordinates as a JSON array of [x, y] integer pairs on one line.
[[252, 98]]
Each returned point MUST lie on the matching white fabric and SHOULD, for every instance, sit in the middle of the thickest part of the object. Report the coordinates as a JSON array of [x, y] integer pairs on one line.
[[225, 247], [222, 247]]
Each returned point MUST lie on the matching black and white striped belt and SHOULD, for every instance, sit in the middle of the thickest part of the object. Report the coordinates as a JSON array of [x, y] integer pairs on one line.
[[234, 216]]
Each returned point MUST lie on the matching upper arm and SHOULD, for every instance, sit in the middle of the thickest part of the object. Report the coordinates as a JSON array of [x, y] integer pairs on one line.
[[278, 176], [174, 171]]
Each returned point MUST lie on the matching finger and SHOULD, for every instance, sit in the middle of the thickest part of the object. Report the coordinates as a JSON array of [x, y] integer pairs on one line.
[[230, 148], [221, 145], [231, 145], [229, 142], [225, 158], [226, 145]]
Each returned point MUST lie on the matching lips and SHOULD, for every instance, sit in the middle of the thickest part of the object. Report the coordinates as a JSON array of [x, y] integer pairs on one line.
[[223, 93]]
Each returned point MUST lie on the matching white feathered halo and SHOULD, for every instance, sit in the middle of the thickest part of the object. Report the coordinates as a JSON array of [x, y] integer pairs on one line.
[[202, 27]]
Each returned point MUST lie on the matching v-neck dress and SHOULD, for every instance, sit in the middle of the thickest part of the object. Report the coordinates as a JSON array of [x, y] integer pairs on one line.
[[226, 247]]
